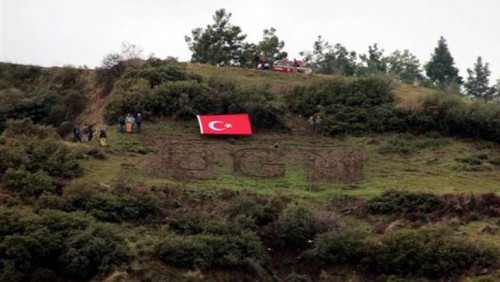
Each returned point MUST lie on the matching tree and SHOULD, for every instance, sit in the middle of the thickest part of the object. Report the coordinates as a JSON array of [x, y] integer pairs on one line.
[[496, 94], [217, 44], [271, 47], [131, 51], [327, 59], [478, 81], [246, 55], [440, 69], [405, 65], [374, 61], [343, 61], [313, 58]]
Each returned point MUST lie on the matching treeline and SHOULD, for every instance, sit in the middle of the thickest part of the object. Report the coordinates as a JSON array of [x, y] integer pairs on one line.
[[222, 43]]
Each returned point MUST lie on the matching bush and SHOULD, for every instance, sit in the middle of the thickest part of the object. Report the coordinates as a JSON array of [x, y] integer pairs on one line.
[[344, 247], [158, 74], [208, 251], [410, 205], [398, 145], [184, 99], [37, 150], [96, 250], [430, 252], [433, 253], [26, 183], [347, 105], [113, 208], [261, 210], [31, 245], [454, 116], [297, 226]]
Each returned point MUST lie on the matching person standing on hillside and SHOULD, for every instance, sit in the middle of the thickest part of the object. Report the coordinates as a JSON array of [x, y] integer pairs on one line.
[[121, 123], [85, 133], [103, 138], [91, 131], [130, 120], [138, 122], [76, 134]]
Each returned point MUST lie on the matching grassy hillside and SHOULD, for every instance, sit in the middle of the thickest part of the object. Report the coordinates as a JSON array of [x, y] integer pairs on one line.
[[412, 199]]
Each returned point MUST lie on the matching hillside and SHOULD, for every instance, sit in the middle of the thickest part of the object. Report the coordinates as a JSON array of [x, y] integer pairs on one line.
[[400, 183]]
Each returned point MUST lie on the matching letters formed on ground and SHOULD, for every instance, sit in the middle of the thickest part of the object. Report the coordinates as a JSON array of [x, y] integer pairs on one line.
[[205, 161]]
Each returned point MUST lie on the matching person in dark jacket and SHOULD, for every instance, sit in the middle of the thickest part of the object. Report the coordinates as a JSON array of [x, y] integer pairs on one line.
[[91, 131], [138, 123], [103, 138], [76, 134], [121, 123]]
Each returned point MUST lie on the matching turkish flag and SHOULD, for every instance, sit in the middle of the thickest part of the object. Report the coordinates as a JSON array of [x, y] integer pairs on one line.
[[238, 124]]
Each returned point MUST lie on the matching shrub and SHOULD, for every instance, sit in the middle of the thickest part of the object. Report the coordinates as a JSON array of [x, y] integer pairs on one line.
[[410, 205], [476, 159], [75, 197], [36, 148], [452, 115], [158, 74], [189, 222], [10, 222], [261, 210], [345, 247], [208, 251], [48, 201], [96, 250], [297, 226], [26, 183], [433, 253], [430, 252], [65, 128], [397, 145], [113, 208], [347, 105]]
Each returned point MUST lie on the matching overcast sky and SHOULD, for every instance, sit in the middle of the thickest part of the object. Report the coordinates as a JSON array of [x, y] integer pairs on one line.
[[82, 32]]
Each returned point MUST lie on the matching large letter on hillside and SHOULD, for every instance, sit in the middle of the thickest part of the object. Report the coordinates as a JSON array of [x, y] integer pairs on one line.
[[258, 162], [185, 161], [334, 165]]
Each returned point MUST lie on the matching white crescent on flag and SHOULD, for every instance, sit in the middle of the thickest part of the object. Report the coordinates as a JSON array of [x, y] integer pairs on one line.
[[215, 122]]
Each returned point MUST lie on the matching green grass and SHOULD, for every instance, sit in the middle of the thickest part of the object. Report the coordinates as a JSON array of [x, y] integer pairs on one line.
[[434, 169]]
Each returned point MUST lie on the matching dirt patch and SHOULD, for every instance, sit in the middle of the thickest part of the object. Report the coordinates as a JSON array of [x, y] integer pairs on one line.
[[94, 112]]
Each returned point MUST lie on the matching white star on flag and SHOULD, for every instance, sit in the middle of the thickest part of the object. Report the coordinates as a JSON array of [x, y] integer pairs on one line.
[[228, 125]]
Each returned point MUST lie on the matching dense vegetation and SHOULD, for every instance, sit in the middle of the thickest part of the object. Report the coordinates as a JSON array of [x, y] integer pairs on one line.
[[60, 222], [48, 96], [164, 88]]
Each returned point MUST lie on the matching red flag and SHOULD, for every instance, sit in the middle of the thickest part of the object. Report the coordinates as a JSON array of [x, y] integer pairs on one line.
[[238, 124]]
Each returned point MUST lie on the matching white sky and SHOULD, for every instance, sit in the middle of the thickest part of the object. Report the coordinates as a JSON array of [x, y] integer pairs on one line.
[[82, 32]]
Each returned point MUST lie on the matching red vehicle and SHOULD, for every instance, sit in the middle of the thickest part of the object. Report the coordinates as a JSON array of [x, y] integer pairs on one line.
[[290, 66]]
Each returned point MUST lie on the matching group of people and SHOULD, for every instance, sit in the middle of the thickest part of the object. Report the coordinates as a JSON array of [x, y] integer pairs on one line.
[[316, 122], [130, 123], [87, 134]]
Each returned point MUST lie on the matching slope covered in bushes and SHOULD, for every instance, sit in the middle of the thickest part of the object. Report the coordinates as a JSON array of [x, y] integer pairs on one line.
[[427, 206]]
